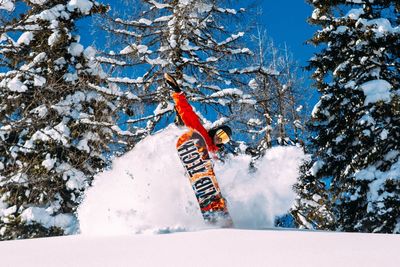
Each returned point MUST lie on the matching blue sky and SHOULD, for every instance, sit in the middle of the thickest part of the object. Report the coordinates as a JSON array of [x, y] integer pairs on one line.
[[286, 23]]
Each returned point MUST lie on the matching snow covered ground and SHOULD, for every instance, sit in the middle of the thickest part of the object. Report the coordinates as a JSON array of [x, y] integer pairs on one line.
[[218, 247]]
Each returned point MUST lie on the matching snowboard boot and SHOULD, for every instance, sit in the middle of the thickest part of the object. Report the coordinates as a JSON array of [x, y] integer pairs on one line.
[[172, 82]]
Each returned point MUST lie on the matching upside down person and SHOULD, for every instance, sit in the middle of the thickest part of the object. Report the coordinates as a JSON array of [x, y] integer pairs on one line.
[[214, 138]]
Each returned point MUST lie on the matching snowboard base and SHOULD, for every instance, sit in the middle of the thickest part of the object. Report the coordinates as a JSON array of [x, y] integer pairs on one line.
[[192, 151]]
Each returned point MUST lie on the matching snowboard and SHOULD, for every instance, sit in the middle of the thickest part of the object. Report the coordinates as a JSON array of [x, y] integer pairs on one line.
[[193, 153]]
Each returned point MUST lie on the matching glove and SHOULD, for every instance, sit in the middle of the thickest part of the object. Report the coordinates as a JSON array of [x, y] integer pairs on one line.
[[172, 82]]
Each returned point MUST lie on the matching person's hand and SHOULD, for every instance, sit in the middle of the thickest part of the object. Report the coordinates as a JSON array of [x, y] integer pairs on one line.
[[172, 82]]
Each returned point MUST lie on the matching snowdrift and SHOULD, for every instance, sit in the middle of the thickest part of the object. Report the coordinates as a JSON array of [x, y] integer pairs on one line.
[[221, 247], [146, 190]]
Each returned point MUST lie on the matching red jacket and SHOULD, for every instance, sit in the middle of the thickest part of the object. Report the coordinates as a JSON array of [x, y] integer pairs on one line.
[[191, 120]]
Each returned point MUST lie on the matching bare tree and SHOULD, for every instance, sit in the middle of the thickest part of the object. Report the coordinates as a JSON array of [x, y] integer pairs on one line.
[[276, 84]]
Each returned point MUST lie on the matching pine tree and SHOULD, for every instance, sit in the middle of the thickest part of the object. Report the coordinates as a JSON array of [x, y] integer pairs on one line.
[[57, 117], [191, 39], [312, 209], [357, 120]]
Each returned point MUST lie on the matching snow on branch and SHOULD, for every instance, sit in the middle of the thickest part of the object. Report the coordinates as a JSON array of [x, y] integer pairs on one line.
[[227, 10], [255, 69], [142, 22], [162, 109], [232, 38], [227, 92], [111, 61], [158, 5], [127, 80], [7, 5], [113, 90], [133, 48]]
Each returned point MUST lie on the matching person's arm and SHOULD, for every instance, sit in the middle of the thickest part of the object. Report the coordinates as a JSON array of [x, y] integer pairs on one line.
[[190, 118]]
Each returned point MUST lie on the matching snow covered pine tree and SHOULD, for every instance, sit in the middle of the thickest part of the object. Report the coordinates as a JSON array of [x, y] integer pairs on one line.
[[56, 117], [357, 120], [195, 40]]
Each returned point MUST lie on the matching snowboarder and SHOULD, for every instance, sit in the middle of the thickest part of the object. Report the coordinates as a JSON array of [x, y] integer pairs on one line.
[[193, 149], [214, 138]]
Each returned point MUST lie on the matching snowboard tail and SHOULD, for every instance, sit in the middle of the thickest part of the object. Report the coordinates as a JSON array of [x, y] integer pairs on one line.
[[192, 151]]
